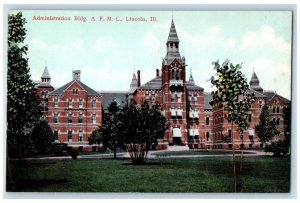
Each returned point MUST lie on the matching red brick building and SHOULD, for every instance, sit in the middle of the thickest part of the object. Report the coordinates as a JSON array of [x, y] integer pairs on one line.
[[75, 110]]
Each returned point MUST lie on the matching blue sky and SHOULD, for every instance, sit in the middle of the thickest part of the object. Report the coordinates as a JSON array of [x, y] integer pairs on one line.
[[107, 53]]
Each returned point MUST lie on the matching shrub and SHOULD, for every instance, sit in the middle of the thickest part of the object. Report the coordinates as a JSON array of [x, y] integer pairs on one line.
[[279, 148], [73, 152], [59, 148]]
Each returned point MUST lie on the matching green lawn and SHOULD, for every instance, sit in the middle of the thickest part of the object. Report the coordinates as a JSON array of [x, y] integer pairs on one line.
[[197, 152], [260, 174]]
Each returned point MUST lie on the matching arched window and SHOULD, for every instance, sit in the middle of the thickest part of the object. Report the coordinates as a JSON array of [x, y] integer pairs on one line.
[[177, 75]]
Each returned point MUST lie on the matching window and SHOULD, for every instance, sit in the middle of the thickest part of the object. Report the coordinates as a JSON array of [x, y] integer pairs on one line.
[[70, 135], [43, 94], [196, 114], [179, 112], [55, 118], [191, 114], [207, 136], [274, 109], [249, 118], [278, 109], [80, 118], [94, 118], [173, 113], [229, 134], [46, 94], [70, 103], [75, 91], [80, 104], [55, 102], [207, 120], [55, 133], [80, 136], [153, 98], [278, 121], [172, 96], [70, 118], [178, 97], [94, 103], [177, 75]]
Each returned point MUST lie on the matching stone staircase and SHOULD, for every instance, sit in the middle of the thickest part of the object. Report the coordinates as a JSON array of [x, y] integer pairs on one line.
[[178, 148]]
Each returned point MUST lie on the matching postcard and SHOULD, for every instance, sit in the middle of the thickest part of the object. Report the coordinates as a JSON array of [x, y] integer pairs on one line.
[[149, 101]]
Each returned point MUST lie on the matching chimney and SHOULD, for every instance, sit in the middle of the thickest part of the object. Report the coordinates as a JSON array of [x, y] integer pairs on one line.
[[157, 72], [138, 78]]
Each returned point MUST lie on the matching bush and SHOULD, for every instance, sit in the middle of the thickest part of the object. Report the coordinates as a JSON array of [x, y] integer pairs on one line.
[[59, 148], [279, 148], [74, 152]]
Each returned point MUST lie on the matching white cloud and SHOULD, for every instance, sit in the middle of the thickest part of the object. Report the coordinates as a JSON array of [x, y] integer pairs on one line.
[[271, 75], [264, 37]]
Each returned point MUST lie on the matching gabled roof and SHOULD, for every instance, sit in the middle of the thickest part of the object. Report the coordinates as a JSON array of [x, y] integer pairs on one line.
[[61, 90], [154, 84], [271, 94], [110, 96]]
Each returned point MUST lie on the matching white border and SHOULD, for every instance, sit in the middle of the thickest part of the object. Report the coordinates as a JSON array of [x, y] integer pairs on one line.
[[156, 5]]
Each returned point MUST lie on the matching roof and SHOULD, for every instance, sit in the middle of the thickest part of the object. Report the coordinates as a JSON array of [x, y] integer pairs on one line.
[[173, 37], [270, 95], [254, 83], [44, 84], [45, 73], [207, 99], [192, 86], [60, 91], [256, 93], [108, 97], [133, 84], [154, 84]]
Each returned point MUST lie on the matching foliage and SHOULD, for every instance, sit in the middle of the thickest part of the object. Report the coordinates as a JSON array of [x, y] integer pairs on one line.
[[22, 105], [42, 137], [109, 133], [58, 148], [141, 127], [266, 129], [278, 148], [232, 92], [19, 146], [73, 152]]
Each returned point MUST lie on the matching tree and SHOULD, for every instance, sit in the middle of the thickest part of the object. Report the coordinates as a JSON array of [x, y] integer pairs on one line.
[[22, 106], [109, 133], [42, 137], [142, 127], [266, 129], [233, 95]]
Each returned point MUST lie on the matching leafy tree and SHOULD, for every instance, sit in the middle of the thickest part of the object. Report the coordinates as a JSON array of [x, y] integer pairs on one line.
[[266, 129], [233, 95], [42, 137], [22, 105], [142, 127], [109, 133]]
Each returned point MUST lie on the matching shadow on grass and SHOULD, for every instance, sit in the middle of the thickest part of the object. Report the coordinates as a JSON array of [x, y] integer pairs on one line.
[[22, 184], [147, 164]]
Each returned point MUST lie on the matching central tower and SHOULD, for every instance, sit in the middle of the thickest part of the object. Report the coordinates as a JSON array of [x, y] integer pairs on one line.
[[174, 90]]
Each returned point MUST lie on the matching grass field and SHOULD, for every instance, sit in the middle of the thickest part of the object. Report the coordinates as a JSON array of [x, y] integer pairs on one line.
[[260, 174], [197, 152]]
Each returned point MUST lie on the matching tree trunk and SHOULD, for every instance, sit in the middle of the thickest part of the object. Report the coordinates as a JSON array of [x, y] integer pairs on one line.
[[241, 164], [115, 151], [233, 157], [9, 179], [19, 147]]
